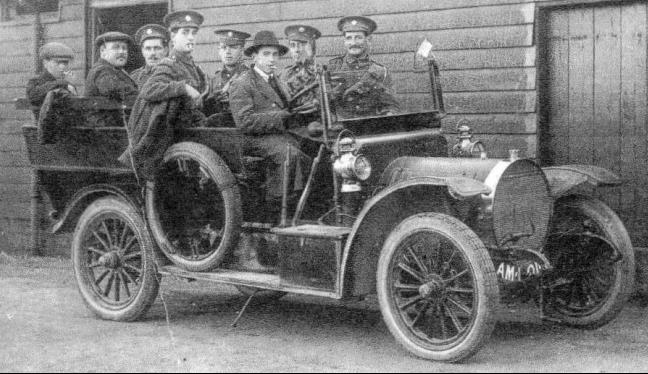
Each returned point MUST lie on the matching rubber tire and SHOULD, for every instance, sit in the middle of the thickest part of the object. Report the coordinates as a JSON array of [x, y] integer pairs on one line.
[[150, 283], [261, 296], [227, 185], [616, 233], [485, 282]]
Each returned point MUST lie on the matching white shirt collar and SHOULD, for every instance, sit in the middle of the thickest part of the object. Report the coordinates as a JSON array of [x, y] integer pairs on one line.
[[262, 73]]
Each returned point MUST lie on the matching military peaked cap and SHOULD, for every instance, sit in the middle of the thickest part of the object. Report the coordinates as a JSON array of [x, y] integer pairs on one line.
[[55, 50], [151, 31], [183, 18], [231, 37], [265, 38], [302, 33], [357, 23], [113, 36]]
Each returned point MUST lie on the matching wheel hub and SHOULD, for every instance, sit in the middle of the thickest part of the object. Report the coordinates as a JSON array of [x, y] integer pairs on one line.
[[432, 289], [110, 260]]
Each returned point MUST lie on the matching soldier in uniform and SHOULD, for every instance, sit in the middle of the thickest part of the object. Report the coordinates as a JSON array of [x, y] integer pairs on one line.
[[230, 50], [260, 109], [153, 40], [107, 77], [300, 78], [169, 99], [56, 59], [367, 88]]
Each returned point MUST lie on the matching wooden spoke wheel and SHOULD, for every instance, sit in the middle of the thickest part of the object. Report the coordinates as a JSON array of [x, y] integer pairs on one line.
[[437, 287], [593, 261], [113, 259]]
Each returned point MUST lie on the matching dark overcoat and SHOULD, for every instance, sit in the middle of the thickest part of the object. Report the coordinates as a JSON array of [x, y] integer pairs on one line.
[[114, 83]]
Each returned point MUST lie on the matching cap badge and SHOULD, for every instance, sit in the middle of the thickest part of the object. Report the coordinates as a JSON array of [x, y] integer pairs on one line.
[[188, 18], [230, 34], [149, 31], [354, 22], [301, 29]]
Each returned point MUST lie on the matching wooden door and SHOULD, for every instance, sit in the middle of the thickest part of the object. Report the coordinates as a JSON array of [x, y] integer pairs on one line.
[[593, 99]]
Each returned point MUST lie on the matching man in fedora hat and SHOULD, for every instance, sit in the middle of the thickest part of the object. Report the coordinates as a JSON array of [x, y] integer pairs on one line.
[[260, 109], [367, 88], [56, 58], [230, 51], [169, 99], [108, 78], [300, 78], [153, 40]]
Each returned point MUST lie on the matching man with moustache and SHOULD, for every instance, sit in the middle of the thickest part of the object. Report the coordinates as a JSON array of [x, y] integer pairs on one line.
[[367, 88], [153, 40], [170, 99], [230, 51], [107, 77], [56, 59], [300, 78], [260, 109]]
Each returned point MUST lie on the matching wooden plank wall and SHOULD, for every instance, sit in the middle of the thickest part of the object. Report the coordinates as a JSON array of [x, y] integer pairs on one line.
[[16, 67], [484, 48]]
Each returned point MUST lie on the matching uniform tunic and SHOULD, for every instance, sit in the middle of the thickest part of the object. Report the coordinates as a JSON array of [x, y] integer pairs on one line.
[[38, 87], [218, 101], [114, 83], [141, 75], [368, 86], [298, 76]]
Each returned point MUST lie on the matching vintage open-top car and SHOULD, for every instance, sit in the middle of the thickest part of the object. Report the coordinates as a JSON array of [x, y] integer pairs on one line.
[[440, 240]]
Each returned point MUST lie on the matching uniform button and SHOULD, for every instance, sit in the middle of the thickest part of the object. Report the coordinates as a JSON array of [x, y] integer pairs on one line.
[[274, 105], [357, 107]]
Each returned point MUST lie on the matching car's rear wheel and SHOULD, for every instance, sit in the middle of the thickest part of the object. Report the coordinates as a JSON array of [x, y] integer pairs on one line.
[[437, 287], [113, 260], [593, 261]]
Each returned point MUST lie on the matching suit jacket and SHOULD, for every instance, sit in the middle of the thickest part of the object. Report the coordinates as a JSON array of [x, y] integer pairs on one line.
[[256, 107], [111, 82]]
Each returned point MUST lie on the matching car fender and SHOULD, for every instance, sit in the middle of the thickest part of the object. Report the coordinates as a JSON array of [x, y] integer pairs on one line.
[[386, 209], [86, 195], [563, 178]]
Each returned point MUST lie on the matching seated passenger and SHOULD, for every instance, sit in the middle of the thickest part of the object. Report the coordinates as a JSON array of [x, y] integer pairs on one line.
[[367, 88], [107, 77], [260, 109], [169, 99], [230, 51], [56, 59], [153, 41]]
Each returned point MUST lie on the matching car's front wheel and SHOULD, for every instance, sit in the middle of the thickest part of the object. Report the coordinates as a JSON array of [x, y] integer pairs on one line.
[[437, 287]]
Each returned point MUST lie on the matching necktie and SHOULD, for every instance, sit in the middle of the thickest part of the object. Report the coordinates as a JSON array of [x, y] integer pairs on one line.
[[275, 86]]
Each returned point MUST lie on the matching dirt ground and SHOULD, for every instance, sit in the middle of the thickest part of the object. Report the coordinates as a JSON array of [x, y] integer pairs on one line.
[[44, 326]]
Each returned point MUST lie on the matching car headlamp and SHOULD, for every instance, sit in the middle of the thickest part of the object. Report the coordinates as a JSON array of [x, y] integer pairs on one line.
[[351, 166]]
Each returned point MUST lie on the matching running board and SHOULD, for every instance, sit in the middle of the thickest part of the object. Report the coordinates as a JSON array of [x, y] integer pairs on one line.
[[245, 278]]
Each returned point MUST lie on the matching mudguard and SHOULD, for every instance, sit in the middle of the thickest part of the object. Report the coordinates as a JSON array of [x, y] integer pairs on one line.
[[563, 178], [83, 197], [370, 216]]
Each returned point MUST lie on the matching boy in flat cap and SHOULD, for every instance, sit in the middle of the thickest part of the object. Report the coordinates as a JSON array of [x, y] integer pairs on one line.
[[108, 78], [300, 78], [230, 51], [260, 109], [56, 59], [169, 99], [153, 40], [367, 90]]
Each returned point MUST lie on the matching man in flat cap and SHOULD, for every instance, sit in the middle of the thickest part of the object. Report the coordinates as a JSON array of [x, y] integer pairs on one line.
[[230, 51], [108, 78], [169, 99], [56, 59], [300, 78], [367, 88], [260, 109], [153, 40]]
